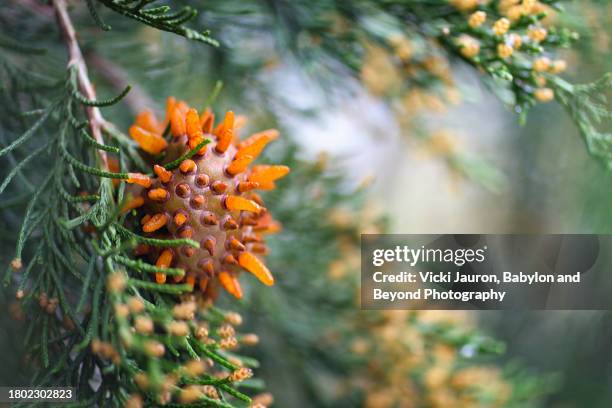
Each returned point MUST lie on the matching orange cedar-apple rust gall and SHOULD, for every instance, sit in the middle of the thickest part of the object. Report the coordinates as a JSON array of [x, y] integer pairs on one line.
[[209, 197]]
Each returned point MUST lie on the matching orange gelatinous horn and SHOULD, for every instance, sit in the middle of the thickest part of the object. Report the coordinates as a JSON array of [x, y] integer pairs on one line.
[[208, 267], [193, 127], [266, 224], [148, 141], [229, 259], [140, 179], [164, 261], [254, 145], [235, 245], [115, 167], [145, 219], [158, 194], [248, 221], [273, 228], [219, 129], [177, 122], [245, 186], [266, 174], [257, 198], [270, 185], [210, 219], [242, 204], [230, 224], [226, 135], [231, 284], [239, 164], [209, 244], [156, 222], [147, 120], [259, 248], [218, 186], [180, 218], [251, 238], [252, 264], [269, 134], [132, 203], [182, 107], [163, 174], [194, 141], [186, 232], [187, 166], [206, 120], [170, 104]]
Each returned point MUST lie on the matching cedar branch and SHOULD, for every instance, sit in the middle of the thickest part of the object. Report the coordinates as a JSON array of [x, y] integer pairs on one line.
[[94, 116]]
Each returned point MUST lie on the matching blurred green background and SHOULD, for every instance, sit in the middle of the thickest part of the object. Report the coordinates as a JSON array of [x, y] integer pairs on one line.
[[548, 183]]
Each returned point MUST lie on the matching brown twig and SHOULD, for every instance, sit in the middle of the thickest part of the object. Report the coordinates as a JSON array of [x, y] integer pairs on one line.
[[94, 116]]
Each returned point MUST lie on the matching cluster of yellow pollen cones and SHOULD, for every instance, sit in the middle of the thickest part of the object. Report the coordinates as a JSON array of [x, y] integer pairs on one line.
[[209, 197]]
